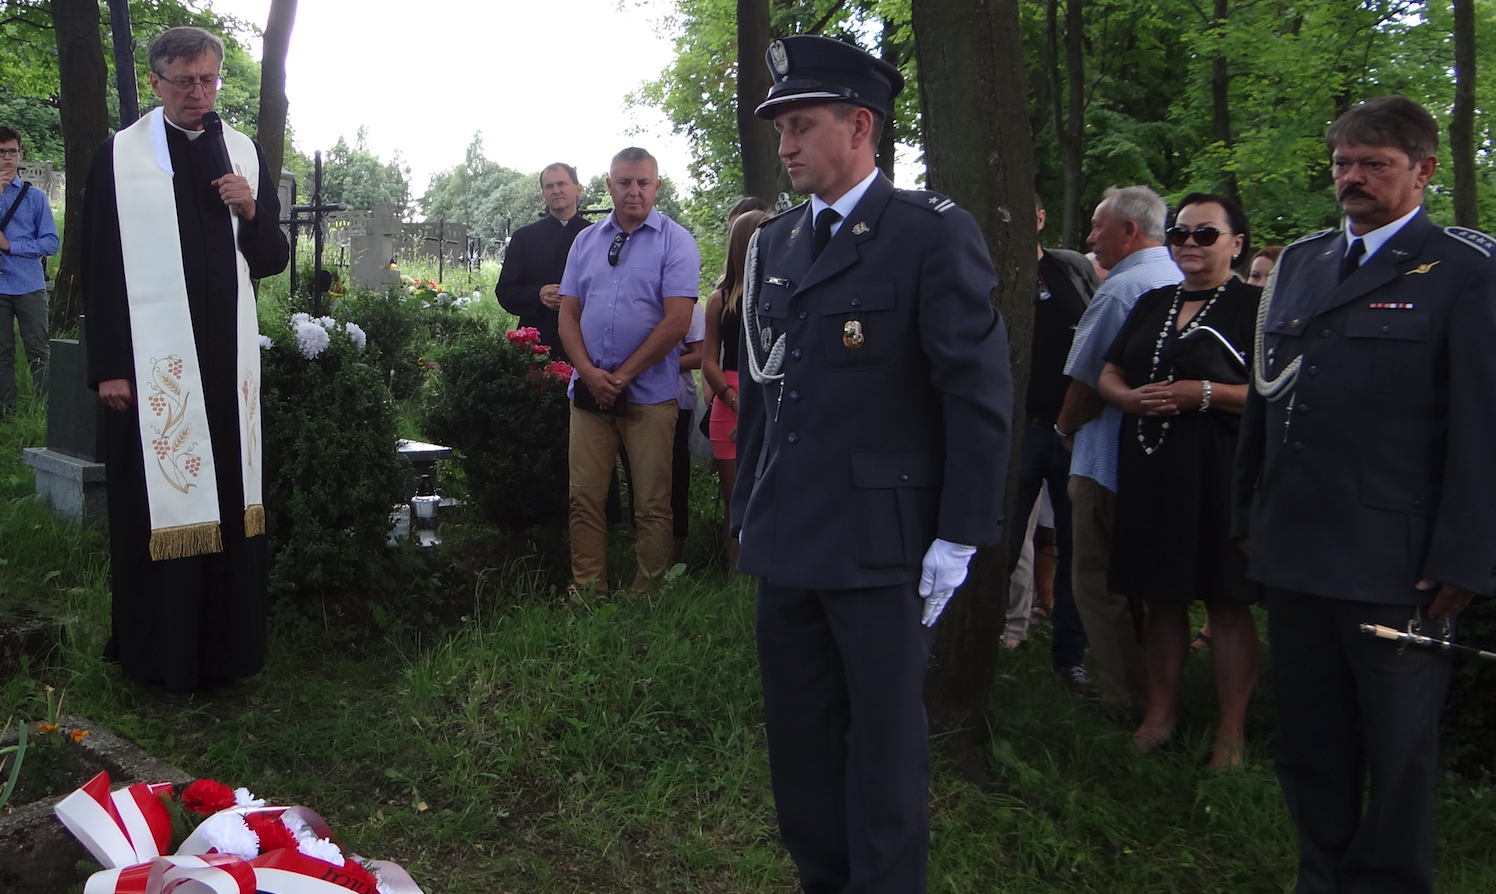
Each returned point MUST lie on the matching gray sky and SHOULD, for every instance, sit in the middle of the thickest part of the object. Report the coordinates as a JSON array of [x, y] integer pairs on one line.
[[544, 81]]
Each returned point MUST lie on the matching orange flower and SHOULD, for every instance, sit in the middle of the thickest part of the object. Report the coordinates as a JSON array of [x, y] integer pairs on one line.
[[78, 734], [47, 727]]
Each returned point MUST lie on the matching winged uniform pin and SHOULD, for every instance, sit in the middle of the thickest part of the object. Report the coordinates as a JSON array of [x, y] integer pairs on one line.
[[1422, 268]]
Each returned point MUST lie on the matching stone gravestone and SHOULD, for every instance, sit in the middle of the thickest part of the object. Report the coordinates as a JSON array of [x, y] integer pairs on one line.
[[371, 252], [69, 471], [286, 191], [41, 177]]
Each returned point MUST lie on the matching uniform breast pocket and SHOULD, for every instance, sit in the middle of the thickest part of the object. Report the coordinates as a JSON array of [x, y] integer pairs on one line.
[[858, 325], [1389, 349]]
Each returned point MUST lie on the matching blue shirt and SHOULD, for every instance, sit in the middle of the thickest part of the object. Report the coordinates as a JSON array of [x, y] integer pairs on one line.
[[622, 305], [32, 235], [1142, 271]]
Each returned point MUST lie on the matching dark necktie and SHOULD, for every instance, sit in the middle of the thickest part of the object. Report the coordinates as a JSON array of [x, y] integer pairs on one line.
[[824, 220], [1352, 259]]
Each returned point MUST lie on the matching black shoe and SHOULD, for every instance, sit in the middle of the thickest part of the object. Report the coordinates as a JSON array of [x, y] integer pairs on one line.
[[166, 696], [219, 687]]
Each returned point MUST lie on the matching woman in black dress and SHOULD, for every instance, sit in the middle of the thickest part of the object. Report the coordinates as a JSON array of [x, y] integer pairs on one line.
[[1178, 370]]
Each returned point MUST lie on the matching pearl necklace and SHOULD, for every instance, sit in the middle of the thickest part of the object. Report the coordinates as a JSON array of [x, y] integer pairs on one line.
[[1158, 350]]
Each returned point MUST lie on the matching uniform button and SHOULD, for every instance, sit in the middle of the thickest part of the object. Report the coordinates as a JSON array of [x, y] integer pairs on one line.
[[795, 353], [793, 438], [1297, 445], [1313, 370], [903, 477], [768, 306], [1303, 408], [1386, 329], [1324, 333], [856, 302], [795, 396], [804, 314]]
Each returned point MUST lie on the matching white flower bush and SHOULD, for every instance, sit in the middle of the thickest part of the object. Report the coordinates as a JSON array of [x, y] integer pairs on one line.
[[356, 333], [311, 339], [265, 343]]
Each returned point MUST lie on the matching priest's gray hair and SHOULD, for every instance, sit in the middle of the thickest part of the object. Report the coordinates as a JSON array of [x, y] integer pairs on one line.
[[186, 42], [1140, 204]]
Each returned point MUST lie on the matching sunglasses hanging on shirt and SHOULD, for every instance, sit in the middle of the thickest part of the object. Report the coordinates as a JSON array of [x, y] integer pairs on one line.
[[616, 248]]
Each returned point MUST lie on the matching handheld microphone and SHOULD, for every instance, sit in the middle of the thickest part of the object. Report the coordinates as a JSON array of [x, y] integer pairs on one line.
[[213, 128]]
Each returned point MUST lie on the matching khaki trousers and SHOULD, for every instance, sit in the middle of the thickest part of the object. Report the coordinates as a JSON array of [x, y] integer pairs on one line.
[[1107, 616], [646, 432]]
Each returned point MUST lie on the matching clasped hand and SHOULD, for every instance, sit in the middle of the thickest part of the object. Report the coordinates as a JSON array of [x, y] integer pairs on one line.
[[1166, 398], [235, 192], [605, 386]]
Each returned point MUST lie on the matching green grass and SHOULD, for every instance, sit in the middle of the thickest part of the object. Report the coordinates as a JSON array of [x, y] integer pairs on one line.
[[528, 741]]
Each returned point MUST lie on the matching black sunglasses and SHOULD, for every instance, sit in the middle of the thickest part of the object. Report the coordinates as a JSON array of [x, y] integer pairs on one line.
[[616, 248], [1204, 236]]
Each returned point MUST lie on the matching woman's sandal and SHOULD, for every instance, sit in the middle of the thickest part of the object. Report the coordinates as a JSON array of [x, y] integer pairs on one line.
[[1201, 642], [1039, 612]]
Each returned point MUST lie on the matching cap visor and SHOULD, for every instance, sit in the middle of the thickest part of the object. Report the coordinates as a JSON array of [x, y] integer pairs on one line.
[[770, 107]]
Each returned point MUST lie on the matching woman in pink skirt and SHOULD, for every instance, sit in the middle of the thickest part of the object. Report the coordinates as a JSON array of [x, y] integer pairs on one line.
[[719, 366]]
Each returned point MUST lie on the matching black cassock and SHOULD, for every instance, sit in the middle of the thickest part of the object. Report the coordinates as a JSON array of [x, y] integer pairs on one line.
[[537, 256], [180, 623]]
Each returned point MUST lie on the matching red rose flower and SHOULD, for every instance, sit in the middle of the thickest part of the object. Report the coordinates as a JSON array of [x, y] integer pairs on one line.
[[539, 349], [560, 369], [207, 797], [272, 833]]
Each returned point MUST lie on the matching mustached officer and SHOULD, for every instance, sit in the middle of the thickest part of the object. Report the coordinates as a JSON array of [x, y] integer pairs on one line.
[[873, 447], [1364, 483]]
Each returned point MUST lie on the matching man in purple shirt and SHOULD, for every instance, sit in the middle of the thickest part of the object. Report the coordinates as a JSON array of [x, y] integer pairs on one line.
[[626, 299]]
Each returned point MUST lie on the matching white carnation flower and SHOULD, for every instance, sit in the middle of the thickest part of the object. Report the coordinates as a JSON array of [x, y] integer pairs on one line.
[[227, 834], [311, 339], [300, 318], [326, 322], [265, 343], [356, 333], [320, 848], [244, 798]]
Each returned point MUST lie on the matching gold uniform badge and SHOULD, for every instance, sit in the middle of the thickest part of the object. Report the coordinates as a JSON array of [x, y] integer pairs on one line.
[[852, 334]]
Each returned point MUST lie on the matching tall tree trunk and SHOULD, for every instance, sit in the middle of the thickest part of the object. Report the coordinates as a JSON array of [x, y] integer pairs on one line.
[[887, 146], [1053, 85], [1220, 101], [124, 62], [979, 152], [1462, 122], [84, 79], [270, 129], [756, 137], [1073, 147]]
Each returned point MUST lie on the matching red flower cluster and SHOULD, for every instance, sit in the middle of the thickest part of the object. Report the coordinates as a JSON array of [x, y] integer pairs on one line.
[[525, 338], [560, 369], [207, 797], [273, 833]]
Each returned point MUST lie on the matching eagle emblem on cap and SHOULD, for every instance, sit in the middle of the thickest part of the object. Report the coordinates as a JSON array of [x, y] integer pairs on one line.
[[779, 57]]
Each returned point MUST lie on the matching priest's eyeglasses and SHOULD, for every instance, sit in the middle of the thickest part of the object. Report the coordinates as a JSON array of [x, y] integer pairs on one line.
[[209, 83]]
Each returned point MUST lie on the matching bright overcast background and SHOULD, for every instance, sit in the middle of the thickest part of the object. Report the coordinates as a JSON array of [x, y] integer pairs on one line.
[[543, 81]]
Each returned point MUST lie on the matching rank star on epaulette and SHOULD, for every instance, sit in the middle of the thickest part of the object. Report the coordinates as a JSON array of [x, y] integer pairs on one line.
[[1473, 238]]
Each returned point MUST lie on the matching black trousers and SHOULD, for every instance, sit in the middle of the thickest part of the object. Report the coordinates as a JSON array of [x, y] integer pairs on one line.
[[843, 677], [1358, 742]]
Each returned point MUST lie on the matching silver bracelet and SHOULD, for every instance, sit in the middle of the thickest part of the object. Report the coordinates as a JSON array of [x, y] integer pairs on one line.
[[1204, 395]]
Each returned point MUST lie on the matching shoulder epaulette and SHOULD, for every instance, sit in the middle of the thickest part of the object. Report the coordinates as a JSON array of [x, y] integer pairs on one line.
[[1474, 238], [766, 221], [930, 201], [1312, 236]]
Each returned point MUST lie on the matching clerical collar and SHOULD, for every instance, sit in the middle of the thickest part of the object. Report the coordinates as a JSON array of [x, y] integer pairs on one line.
[[191, 134]]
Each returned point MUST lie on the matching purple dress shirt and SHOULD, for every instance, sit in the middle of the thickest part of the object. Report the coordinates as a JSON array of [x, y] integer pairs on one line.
[[622, 305]]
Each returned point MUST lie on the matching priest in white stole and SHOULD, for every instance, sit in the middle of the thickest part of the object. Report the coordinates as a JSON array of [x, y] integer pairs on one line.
[[171, 242]]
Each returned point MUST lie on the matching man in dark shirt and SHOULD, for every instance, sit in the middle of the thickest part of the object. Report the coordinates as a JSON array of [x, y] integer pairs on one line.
[[1066, 283], [530, 281]]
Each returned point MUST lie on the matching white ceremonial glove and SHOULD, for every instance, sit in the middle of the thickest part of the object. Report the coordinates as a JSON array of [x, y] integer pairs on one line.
[[943, 571]]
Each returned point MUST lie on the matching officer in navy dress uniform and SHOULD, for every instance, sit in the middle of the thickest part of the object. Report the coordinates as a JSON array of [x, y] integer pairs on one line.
[[873, 447], [1364, 482]]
